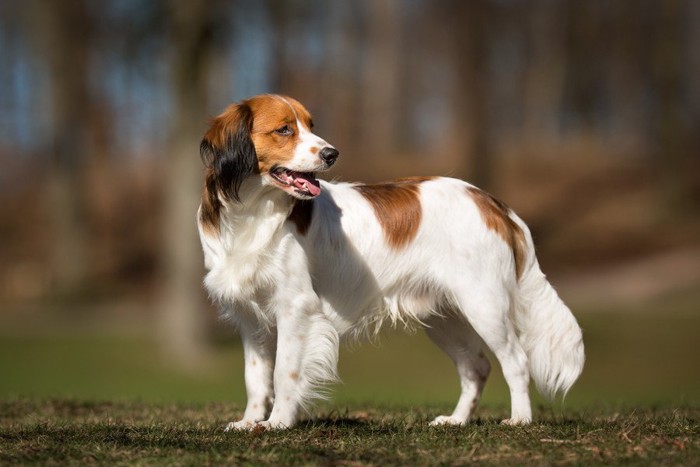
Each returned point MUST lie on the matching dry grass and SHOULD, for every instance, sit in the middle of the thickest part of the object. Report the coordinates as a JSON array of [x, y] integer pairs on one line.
[[72, 432]]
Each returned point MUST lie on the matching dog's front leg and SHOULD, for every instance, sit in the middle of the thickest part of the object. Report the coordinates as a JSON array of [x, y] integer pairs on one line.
[[259, 353], [307, 355]]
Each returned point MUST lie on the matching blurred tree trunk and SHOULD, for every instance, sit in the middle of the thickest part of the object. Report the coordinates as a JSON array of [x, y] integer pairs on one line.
[[468, 21], [339, 83], [182, 317], [544, 79], [282, 28], [585, 48], [294, 72], [672, 136], [692, 73], [629, 46], [380, 98], [62, 33]]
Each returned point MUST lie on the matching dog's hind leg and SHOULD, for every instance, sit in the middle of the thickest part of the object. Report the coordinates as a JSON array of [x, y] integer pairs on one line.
[[460, 342], [486, 305]]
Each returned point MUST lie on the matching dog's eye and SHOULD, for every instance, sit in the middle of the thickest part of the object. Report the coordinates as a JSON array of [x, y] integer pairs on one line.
[[284, 131]]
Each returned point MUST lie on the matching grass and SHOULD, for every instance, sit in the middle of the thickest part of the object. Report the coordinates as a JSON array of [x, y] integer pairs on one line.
[[68, 432], [79, 397]]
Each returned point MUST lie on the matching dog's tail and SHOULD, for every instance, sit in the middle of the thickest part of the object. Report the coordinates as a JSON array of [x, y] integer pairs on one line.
[[547, 329]]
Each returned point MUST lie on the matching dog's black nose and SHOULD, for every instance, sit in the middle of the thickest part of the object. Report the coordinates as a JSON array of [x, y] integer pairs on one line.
[[329, 155]]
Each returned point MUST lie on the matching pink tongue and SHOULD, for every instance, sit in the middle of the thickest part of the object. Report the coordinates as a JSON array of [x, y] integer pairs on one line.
[[307, 182]]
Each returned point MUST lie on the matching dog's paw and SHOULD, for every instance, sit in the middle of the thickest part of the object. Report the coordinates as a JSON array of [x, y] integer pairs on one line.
[[516, 421], [242, 425], [447, 420], [274, 425], [249, 425]]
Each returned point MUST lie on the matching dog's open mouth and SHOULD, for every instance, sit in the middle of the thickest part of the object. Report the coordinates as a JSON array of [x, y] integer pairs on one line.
[[302, 183]]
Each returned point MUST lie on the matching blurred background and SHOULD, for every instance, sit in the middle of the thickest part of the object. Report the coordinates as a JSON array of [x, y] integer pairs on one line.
[[584, 116]]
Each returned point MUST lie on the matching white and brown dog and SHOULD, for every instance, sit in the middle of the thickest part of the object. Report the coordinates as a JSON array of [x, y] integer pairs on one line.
[[299, 263]]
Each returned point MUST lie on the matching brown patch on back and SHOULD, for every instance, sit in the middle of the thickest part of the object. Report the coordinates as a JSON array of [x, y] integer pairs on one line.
[[419, 179], [495, 215], [301, 215], [397, 207]]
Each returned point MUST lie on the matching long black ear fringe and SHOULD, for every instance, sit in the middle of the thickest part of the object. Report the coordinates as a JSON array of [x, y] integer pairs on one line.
[[237, 160]]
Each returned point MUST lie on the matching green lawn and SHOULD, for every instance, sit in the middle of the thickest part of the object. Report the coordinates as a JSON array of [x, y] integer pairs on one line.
[[95, 397], [632, 358]]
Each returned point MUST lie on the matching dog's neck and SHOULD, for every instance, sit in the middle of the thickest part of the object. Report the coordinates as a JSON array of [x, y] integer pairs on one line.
[[249, 231], [252, 222]]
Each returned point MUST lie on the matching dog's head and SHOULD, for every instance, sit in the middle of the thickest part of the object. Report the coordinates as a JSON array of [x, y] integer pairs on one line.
[[269, 136]]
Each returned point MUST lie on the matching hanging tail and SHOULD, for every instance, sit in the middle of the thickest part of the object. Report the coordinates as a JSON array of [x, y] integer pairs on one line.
[[547, 330]]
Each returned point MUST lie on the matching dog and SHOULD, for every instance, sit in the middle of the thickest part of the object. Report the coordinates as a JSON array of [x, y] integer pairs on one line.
[[298, 264]]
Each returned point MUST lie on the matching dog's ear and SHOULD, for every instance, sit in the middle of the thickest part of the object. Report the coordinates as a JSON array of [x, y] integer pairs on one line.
[[228, 151]]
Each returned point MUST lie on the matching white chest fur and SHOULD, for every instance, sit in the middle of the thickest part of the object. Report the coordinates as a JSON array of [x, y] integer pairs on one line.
[[243, 259]]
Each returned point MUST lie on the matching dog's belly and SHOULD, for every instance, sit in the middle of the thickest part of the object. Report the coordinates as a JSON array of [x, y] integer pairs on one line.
[[362, 311]]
